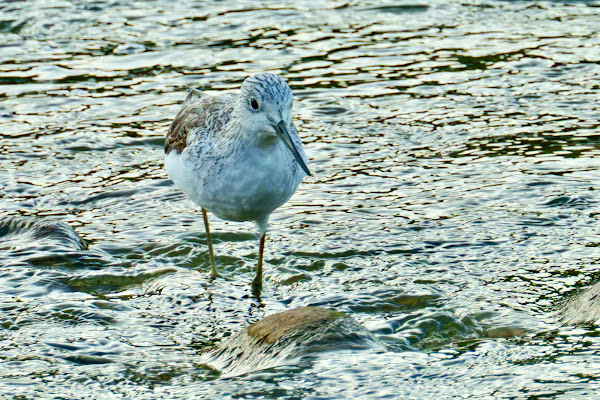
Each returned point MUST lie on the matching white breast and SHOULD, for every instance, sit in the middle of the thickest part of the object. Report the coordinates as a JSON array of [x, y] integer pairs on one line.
[[244, 186]]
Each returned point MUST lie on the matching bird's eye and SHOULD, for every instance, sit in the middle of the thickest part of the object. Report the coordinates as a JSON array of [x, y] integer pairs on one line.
[[254, 104]]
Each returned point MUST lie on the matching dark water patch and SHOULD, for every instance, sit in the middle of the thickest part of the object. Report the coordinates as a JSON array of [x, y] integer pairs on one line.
[[582, 203], [87, 360], [19, 231], [383, 301], [339, 256], [76, 313], [433, 330], [42, 258], [530, 145], [400, 8], [428, 330], [104, 283], [12, 26], [97, 198]]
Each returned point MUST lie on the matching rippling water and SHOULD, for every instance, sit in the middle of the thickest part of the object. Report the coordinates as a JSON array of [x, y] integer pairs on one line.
[[454, 205]]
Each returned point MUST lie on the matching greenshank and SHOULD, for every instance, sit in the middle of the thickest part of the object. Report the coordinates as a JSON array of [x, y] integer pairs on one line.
[[238, 155]]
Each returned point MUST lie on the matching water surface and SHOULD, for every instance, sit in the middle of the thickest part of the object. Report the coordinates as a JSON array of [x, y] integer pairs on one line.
[[454, 205]]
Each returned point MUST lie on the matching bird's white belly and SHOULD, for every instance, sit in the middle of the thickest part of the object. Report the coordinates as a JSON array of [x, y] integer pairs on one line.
[[236, 188]]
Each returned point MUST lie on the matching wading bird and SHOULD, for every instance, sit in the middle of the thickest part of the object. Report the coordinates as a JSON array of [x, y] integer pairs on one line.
[[239, 155]]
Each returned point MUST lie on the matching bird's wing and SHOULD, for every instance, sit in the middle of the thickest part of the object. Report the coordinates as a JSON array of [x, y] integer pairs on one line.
[[200, 115]]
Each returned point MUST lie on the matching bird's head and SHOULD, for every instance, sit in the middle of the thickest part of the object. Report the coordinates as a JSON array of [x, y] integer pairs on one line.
[[264, 109]]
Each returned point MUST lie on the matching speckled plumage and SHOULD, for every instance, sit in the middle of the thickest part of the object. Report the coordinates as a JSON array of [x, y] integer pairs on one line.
[[204, 115], [234, 160]]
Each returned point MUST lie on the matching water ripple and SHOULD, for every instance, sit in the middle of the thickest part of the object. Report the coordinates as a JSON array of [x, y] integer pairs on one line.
[[453, 210]]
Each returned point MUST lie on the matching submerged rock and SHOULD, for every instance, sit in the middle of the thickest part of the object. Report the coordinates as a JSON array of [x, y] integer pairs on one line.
[[281, 338], [582, 308], [22, 232]]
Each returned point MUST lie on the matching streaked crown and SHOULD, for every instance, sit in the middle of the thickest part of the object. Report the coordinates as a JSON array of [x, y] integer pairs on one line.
[[267, 88]]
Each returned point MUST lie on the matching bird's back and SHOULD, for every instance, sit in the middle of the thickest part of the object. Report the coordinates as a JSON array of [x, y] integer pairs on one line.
[[201, 117], [217, 165]]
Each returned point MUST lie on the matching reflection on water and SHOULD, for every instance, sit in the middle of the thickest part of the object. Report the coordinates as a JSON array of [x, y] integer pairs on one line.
[[454, 205]]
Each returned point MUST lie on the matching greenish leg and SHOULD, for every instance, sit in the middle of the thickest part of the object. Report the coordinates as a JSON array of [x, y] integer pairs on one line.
[[257, 282], [213, 268]]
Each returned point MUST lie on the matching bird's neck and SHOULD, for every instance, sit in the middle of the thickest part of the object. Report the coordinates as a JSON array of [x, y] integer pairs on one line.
[[239, 131]]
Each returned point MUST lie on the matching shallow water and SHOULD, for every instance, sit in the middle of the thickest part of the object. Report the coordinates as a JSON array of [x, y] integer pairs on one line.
[[454, 205]]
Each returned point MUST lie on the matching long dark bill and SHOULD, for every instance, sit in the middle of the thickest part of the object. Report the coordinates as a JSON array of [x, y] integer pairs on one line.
[[284, 135]]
